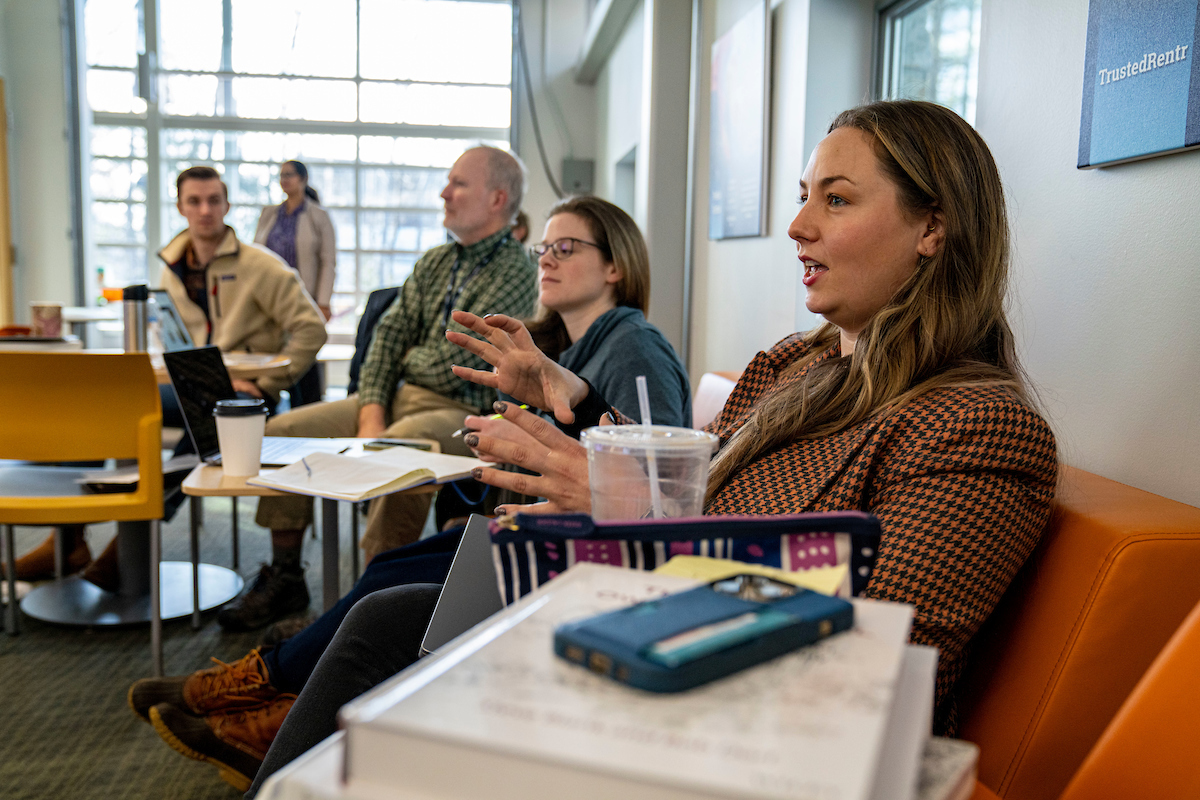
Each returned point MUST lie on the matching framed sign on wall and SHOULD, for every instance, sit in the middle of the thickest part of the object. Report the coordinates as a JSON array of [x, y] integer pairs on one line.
[[737, 165], [1141, 81]]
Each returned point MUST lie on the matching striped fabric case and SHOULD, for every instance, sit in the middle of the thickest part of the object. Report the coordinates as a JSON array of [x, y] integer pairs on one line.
[[532, 549]]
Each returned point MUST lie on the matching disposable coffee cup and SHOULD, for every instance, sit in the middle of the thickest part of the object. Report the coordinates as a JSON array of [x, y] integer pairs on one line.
[[240, 425], [639, 472], [46, 318]]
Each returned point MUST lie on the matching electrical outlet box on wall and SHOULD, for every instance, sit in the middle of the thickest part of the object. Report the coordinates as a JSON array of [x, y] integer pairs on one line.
[[578, 175]]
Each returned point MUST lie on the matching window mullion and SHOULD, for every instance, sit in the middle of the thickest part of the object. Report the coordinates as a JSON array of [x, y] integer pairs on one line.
[[153, 126]]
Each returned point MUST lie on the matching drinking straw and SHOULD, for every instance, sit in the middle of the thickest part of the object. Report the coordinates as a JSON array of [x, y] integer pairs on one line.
[[651, 461]]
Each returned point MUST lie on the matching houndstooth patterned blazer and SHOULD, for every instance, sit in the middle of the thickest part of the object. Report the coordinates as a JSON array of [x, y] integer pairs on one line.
[[960, 478]]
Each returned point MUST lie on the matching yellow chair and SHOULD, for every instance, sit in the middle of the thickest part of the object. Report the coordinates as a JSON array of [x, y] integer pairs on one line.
[[62, 407]]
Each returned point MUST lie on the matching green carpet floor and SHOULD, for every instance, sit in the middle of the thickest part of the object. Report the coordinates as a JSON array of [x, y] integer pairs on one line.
[[65, 728]]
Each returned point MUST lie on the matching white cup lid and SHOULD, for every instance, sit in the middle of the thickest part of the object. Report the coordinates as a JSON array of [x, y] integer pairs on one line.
[[657, 437]]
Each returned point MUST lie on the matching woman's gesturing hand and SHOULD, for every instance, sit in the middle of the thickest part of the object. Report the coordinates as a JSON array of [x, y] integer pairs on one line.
[[521, 369], [534, 443]]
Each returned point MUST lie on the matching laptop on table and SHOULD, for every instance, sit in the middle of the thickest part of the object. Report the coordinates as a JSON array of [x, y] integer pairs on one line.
[[200, 379], [171, 331]]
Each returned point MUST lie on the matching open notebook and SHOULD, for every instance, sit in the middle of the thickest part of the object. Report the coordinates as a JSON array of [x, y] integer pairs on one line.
[[341, 477]]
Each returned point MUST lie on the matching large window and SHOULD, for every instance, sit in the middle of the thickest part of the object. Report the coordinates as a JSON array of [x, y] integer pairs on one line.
[[376, 97], [930, 51]]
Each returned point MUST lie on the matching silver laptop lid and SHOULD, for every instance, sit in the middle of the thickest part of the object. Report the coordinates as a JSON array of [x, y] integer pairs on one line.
[[171, 331], [471, 592]]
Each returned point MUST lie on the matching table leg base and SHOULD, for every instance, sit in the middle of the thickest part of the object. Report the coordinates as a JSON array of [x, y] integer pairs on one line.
[[74, 601]]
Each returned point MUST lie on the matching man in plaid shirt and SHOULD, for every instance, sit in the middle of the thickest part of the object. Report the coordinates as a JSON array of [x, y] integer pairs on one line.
[[406, 389]]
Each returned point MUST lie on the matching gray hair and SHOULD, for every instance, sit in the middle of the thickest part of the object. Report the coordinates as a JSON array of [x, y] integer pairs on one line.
[[506, 172]]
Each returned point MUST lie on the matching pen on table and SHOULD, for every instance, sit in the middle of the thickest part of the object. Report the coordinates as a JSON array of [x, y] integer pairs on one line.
[[461, 431], [304, 461]]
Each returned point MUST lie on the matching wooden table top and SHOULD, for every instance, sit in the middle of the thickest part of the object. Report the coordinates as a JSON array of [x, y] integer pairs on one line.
[[206, 480], [241, 366]]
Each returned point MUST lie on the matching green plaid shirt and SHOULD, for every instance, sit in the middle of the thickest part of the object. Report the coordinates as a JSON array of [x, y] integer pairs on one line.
[[410, 340]]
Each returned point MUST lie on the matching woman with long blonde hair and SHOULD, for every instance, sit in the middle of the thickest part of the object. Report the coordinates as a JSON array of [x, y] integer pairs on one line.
[[908, 402]]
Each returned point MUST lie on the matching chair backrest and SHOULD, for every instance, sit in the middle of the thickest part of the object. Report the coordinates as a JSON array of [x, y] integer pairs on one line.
[[1114, 576], [1152, 746], [378, 302], [712, 392], [84, 407]]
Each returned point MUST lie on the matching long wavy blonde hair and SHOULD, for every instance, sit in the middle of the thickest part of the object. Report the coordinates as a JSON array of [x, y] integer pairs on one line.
[[945, 325]]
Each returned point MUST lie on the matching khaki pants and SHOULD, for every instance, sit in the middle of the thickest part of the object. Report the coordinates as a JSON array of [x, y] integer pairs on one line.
[[394, 519]]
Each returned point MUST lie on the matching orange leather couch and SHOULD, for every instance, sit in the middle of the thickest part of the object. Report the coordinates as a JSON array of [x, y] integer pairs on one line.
[[1116, 573]]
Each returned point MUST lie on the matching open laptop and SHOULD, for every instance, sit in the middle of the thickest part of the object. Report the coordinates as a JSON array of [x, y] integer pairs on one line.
[[200, 380], [171, 331], [471, 592]]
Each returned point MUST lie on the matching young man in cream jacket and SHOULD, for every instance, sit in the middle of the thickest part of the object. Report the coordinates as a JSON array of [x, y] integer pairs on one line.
[[233, 295]]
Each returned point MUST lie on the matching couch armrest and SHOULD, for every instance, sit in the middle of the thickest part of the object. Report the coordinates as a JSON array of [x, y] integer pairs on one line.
[[1114, 576]]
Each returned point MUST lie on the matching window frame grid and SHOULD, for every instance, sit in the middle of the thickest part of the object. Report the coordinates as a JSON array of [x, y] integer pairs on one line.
[[885, 57], [159, 196]]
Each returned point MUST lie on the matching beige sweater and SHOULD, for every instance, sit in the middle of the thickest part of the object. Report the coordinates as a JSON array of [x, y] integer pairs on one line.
[[256, 303], [316, 249]]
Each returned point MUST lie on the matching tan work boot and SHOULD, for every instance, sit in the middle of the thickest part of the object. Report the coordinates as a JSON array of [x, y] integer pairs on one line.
[[234, 741], [242, 684]]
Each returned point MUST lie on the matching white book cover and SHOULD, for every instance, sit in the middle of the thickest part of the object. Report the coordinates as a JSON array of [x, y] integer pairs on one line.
[[355, 478], [496, 713]]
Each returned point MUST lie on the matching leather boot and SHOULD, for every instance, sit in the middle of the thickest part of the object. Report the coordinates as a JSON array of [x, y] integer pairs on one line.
[[38, 563], [235, 742], [105, 570]]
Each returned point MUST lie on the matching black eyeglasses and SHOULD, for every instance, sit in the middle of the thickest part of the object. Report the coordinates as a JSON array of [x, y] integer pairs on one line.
[[561, 249]]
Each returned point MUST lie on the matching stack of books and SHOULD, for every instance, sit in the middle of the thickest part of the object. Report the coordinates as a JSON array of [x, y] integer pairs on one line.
[[496, 714]]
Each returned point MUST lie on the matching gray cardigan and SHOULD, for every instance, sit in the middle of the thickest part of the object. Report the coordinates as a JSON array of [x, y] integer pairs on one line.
[[316, 249]]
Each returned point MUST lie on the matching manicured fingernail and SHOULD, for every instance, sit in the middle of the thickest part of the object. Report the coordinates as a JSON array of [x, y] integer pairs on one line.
[[500, 406], [470, 440], [477, 473]]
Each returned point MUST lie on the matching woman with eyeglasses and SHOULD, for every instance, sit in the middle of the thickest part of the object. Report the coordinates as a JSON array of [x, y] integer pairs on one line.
[[908, 402], [594, 275], [593, 291]]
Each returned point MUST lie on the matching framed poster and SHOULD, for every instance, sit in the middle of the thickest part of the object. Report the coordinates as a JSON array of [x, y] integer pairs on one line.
[[1141, 81], [737, 155]]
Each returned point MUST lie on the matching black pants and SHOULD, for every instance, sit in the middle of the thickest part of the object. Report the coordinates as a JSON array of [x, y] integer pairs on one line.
[[308, 388], [380, 636]]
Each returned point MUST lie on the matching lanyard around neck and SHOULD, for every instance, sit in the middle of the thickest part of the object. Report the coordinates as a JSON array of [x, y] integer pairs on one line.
[[452, 293]]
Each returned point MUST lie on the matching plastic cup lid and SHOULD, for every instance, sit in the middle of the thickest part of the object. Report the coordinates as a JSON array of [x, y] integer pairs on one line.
[[657, 437], [247, 407]]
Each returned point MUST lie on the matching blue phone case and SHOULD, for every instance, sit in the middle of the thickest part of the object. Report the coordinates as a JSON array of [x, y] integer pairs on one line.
[[688, 639]]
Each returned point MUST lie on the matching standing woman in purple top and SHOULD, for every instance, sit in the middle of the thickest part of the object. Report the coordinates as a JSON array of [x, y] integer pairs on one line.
[[300, 232]]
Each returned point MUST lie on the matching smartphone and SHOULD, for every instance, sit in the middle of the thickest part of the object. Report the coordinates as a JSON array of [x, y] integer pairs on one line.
[[384, 444], [687, 639]]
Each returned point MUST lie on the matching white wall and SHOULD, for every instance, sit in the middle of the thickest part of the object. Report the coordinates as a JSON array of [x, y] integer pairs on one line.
[[619, 105], [32, 62], [566, 111], [1105, 292], [643, 103], [746, 293], [1106, 278]]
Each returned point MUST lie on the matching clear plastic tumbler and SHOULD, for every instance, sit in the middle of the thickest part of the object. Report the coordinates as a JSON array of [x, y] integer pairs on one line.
[[638, 472]]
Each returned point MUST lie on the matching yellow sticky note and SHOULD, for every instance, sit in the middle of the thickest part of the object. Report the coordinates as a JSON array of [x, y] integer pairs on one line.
[[826, 580]]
